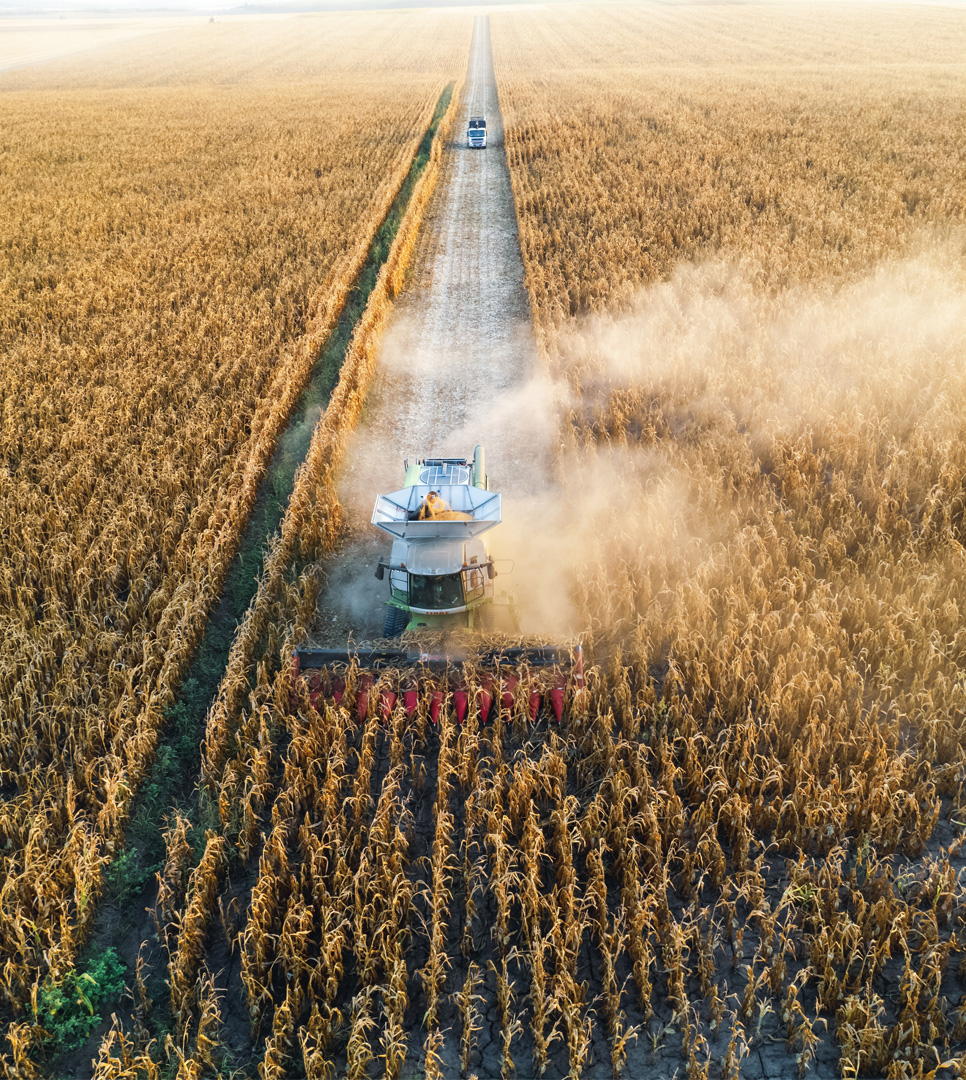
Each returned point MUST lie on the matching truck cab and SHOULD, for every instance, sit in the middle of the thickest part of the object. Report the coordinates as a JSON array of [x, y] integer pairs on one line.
[[476, 133]]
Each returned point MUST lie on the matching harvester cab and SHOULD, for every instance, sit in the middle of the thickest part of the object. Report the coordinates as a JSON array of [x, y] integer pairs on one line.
[[440, 573]]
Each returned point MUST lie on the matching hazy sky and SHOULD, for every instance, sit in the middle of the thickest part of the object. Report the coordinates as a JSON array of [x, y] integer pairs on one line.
[[24, 7], [47, 6], [51, 7]]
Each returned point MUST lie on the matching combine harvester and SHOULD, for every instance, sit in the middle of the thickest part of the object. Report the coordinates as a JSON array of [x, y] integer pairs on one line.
[[442, 596]]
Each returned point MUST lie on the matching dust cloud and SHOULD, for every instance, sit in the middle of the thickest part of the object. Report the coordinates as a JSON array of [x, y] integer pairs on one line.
[[613, 509], [714, 341], [559, 524], [731, 369]]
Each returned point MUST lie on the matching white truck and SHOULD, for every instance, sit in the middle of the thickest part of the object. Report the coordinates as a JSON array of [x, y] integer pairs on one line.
[[476, 133]]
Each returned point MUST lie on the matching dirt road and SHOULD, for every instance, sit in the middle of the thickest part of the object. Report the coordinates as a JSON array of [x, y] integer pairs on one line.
[[459, 363]]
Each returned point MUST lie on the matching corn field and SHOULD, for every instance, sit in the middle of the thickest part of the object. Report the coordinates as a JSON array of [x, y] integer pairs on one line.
[[180, 231], [740, 853], [810, 141]]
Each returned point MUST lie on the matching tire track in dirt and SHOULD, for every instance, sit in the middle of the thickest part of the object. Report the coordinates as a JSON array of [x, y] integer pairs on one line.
[[458, 366]]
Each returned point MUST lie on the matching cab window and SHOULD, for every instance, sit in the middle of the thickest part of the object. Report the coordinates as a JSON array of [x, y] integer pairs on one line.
[[436, 592]]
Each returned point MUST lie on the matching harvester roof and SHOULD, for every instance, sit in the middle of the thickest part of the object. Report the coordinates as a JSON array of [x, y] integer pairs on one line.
[[437, 474]]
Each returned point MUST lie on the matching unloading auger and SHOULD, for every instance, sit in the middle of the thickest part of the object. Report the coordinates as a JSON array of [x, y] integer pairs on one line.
[[441, 596]]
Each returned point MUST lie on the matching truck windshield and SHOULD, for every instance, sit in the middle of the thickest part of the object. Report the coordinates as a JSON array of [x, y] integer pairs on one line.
[[435, 593]]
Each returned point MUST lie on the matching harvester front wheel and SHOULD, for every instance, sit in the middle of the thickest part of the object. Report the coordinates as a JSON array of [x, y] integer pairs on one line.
[[396, 621]]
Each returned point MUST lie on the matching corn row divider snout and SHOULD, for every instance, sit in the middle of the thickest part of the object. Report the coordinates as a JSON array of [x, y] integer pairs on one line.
[[509, 682]]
